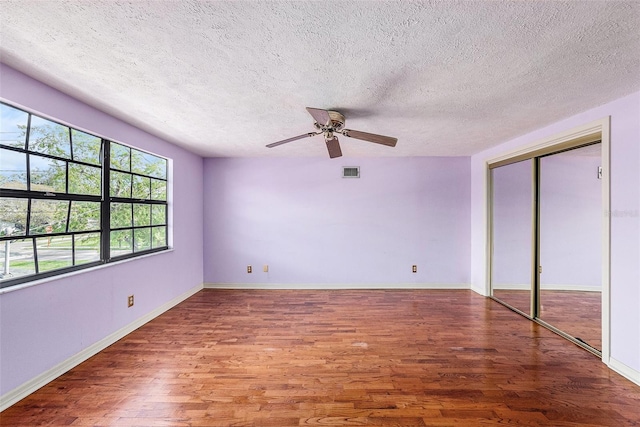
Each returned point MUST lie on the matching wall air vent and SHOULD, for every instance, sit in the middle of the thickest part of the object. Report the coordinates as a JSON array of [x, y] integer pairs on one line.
[[351, 172]]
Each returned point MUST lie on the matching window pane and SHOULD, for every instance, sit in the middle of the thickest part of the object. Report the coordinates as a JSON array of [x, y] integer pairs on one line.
[[120, 157], [142, 238], [121, 242], [47, 175], [20, 259], [85, 216], [120, 185], [158, 189], [121, 215], [54, 252], [13, 123], [48, 216], [159, 237], [87, 247], [141, 187], [48, 137], [84, 179], [141, 215], [13, 170], [86, 148], [158, 215], [148, 164], [13, 216]]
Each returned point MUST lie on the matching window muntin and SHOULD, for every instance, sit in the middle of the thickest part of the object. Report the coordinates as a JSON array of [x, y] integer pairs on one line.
[[86, 147], [13, 169], [84, 216], [23, 265], [54, 253], [86, 248], [14, 216], [56, 212], [47, 174], [141, 239], [14, 123], [120, 184], [48, 216], [148, 164], [121, 242], [120, 157], [158, 189], [121, 215], [158, 214], [159, 237], [141, 187], [48, 137]]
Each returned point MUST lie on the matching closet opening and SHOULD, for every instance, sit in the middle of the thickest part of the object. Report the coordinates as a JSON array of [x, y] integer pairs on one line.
[[548, 232]]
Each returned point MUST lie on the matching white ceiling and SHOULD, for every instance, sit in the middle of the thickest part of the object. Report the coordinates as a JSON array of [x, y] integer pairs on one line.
[[224, 78]]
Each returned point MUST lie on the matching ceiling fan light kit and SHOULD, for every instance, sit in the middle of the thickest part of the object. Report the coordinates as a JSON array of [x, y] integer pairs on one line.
[[328, 123]]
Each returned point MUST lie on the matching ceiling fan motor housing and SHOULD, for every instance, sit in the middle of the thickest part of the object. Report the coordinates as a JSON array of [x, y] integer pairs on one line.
[[337, 120]]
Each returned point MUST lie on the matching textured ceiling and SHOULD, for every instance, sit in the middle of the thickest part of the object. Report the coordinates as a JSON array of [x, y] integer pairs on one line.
[[225, 78]]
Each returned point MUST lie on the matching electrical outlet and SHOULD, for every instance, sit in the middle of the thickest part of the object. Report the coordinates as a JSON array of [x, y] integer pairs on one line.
[[248, 269], [265, 268], [130, 301], [414, 269]]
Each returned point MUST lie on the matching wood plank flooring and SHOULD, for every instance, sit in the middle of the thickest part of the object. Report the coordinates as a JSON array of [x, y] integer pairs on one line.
[[336, 358]]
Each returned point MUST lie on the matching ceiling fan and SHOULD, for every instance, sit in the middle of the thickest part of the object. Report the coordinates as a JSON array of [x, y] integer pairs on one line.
[[328, 123]]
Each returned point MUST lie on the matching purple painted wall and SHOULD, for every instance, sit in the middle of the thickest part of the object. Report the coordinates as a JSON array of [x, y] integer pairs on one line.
[[311, 226], [43, 325], [625, 221]]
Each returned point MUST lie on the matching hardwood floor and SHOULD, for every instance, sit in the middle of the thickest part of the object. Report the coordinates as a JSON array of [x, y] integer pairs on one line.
[[337, 358]]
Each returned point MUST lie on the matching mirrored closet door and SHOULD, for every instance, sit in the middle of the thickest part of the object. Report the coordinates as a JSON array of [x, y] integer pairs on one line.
[[512, 216], [570, 224], [546, 241]]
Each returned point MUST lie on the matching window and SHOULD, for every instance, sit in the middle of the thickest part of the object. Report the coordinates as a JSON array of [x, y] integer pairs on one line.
[[138, 205], [72, 200]]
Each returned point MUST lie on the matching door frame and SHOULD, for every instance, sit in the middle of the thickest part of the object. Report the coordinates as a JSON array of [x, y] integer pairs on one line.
[[598, 130]]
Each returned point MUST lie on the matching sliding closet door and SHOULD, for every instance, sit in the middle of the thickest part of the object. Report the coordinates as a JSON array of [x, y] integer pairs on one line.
[[511, 228], [570, 233]]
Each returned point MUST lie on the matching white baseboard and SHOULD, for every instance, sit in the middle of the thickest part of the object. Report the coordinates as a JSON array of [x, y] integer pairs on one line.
[[545, 287], [321, 286], [46, 377], [624, 370]]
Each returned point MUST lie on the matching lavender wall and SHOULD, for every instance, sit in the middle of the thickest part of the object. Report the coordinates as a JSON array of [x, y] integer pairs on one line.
[[43, 325], [625, 221], [313, 227]]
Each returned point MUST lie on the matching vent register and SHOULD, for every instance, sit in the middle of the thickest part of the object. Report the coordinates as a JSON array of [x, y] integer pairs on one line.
[[351, 172]]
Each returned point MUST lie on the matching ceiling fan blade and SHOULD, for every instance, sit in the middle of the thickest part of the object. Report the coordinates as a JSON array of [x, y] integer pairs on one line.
[[319, 115], [284, 141], [371, 137], [333, 146]]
